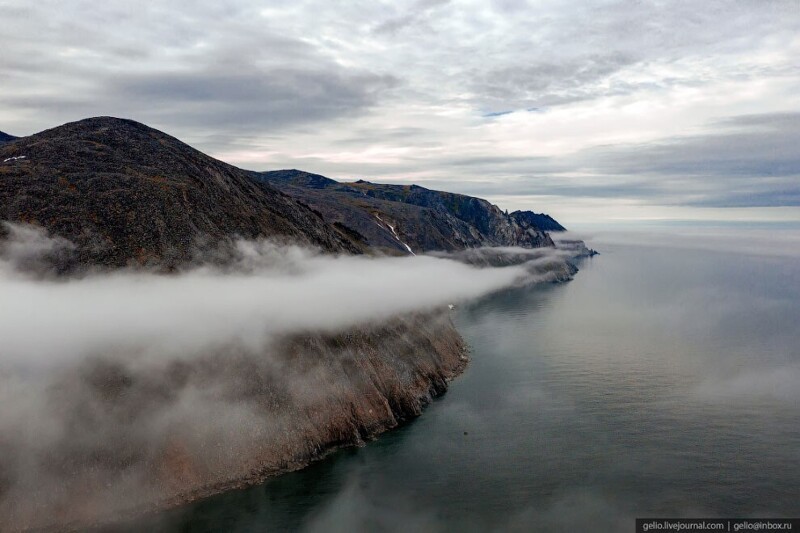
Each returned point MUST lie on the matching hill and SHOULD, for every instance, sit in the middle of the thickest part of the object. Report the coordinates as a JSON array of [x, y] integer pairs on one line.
[[127, 194]]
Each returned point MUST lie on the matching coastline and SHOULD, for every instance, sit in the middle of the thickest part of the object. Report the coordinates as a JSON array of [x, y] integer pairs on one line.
[[129, 517], [398, 369]]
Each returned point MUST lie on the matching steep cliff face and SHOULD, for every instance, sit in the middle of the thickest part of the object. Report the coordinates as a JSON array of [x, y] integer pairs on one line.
[[128, 195], [129, 435], [410, 218]]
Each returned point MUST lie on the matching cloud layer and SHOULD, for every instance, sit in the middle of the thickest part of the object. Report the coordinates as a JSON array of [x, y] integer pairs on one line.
[[273, 291], [661, 104]]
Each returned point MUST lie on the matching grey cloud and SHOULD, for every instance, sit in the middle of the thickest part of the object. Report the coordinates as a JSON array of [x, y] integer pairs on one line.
[[245, 100], [419, 11], [764, 145], [362, 137], [546, 83], [569, 186], [752, 160], [197, 69], [510, 6], [497, 114], [748, 160], [557, 57], [741, 161], [253, 100]]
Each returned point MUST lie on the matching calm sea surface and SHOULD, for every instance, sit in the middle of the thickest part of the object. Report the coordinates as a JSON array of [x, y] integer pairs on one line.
[[657, 382]]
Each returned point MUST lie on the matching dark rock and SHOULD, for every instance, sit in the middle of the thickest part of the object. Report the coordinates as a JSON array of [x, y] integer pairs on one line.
[[539, 220], [393, 216]]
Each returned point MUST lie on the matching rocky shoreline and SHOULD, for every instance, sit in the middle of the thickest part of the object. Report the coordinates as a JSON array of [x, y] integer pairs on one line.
[[376, 378], [420, 399], [136, 436]]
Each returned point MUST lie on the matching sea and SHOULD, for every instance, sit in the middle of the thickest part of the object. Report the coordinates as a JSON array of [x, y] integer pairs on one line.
[[662, 381]]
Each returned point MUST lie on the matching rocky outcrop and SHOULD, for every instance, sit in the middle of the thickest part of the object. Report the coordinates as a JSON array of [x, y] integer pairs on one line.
[[542, 221], [131, 436], [410, 218], [128, 195]]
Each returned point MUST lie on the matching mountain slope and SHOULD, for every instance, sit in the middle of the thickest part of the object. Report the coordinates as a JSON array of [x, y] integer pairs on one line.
[[127, 194], [5, 137], [404, 218]]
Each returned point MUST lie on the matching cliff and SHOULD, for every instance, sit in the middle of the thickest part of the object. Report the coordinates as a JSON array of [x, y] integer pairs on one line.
[[131, 437], [409, 218], [124, 432]]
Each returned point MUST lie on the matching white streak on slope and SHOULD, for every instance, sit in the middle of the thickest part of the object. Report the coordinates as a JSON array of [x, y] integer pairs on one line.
[[396, 236]]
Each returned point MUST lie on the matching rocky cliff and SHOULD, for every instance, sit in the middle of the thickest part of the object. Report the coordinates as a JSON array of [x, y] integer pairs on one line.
[[410, 218], [123, 433], [129, 436]]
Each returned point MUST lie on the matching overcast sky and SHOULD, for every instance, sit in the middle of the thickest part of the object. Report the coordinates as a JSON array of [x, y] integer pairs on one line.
[[592, 111]]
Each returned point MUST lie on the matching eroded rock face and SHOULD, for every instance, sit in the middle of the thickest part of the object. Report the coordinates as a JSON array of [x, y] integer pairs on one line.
[[128, 434]]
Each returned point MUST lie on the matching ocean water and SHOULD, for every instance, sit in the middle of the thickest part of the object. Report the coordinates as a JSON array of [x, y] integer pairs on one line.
[[662, 380]]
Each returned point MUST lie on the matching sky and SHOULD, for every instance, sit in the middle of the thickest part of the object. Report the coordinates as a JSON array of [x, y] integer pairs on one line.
[[599, 111]]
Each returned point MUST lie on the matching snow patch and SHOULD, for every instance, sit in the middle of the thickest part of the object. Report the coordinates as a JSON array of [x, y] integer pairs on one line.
[[14, 158], [396, 236]]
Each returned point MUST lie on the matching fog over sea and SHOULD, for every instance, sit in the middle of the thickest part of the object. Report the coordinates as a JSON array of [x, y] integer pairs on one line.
[[664, 380]]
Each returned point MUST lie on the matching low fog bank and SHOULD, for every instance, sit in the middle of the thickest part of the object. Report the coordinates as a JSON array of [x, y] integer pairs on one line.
[[267, 291], [536, 260], [117, 389]]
